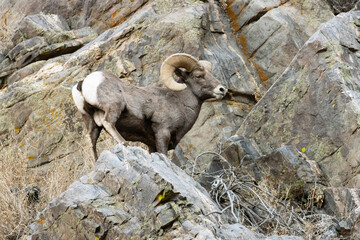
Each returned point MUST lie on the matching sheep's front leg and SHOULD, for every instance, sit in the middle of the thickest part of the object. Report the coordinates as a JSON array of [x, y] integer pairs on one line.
[[162, 140]]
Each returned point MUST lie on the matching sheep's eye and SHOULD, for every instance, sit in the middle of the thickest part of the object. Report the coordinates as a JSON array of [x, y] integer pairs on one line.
[[198, 76]]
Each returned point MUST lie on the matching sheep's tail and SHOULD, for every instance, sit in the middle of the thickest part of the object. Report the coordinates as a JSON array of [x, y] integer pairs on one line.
[[78, 97], [79, 86]]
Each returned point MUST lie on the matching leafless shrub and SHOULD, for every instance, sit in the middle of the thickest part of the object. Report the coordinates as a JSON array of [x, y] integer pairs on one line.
[[264, 210]]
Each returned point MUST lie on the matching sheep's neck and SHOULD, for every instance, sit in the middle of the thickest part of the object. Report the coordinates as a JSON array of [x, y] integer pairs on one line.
[[191, 102]]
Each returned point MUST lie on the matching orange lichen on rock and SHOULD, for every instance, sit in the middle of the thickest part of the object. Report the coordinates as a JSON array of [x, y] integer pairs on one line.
[[261, 73], [4, 19], [243, 43], [114, 23], [232, 15], [117, 22], [115, 13]]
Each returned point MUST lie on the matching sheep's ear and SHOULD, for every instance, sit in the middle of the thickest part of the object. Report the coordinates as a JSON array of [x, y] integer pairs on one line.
[[182, 74], [206, 65]]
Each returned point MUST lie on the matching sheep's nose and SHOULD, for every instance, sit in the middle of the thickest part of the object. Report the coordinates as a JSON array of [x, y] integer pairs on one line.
[[220, 91]]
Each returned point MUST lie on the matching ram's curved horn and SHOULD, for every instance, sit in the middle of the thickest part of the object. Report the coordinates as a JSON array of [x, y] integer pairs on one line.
[[178, 60]]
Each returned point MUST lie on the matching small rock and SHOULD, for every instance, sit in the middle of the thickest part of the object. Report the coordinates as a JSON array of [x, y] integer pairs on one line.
[[344, 228]]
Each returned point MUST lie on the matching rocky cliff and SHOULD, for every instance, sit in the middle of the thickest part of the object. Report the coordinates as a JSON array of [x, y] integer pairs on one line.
[[132, 195], [291, 66]]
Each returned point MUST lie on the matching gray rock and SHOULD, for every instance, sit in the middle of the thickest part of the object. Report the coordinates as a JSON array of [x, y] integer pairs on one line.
[[314, 104], [21, 55], [331, 233], [287, 164], [344, 228], [25, 71], [155, 199], [42, 37], [21, 51], [37, 49], [271, 32], [40, 25], [339, 6], [343, 203]]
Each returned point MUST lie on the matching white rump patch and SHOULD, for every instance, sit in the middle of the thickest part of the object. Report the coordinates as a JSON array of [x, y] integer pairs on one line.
[[90, 87], [78, 99]]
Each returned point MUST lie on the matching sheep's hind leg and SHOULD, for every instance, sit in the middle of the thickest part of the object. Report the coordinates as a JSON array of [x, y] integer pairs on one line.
[[111, 129], [93, 133], [109, 121]]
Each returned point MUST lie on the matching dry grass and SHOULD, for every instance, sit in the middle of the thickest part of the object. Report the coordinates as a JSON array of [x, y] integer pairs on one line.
[[16, 212]]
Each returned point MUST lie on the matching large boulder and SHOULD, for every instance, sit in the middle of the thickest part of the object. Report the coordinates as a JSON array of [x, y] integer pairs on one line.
[[314, 105], [134, 195]]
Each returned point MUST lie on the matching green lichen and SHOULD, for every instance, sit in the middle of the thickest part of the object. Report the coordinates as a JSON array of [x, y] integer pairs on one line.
[[320, 147], [5, 121], [136, 181], [166, 5], [316, 13], [61, 37], [154, 51], [257, 114], [111, 65]]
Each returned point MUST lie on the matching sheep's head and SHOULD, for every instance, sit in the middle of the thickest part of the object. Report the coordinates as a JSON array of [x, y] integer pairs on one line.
[[197, 75]]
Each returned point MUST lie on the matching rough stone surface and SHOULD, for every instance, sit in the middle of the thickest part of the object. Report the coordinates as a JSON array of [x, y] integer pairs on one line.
[[42, 37], [48, 26], [344, 203], [134, 195], [98, 14], [339, 6], [314, 105], [271, 32]]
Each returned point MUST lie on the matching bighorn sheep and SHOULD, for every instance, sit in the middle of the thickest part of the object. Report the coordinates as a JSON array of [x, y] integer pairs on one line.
[[156, 116]]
